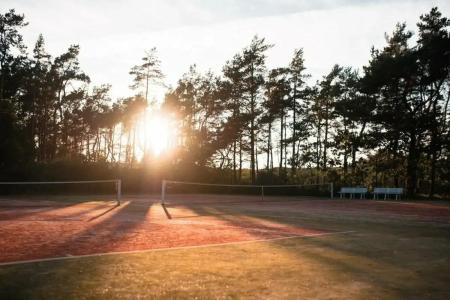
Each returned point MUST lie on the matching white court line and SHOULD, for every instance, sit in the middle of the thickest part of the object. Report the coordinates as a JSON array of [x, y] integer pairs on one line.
[[18, 262]]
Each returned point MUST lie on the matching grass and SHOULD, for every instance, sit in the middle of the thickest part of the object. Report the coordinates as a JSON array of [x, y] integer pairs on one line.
[[382, 259]]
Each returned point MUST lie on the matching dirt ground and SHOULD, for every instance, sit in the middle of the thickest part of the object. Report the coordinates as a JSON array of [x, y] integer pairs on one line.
[[142, 223]]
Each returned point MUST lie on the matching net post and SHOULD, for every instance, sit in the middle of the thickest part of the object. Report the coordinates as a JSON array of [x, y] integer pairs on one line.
[[262, 193], [163, 192], [118, 190], [331, 190]]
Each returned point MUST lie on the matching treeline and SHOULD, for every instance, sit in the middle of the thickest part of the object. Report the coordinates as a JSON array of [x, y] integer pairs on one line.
[[49, 112], [387, 124]]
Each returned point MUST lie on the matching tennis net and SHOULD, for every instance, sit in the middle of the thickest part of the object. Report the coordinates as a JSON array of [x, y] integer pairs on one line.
[[59, 192], [183, 192]]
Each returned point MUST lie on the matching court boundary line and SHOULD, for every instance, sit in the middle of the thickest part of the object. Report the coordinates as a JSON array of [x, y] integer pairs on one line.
[[348, 217], [69, 257]]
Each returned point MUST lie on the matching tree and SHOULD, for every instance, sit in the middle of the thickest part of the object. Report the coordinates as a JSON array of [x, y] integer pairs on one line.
[[409, 86], [253, 71], [10, 40], [353, 111], [433, 51], [14, 146], [322, 112], [389, 126], [232, 90], [388, 79], [298, 107], [65, 76], [38, 97], [275, 107], [149, 72], [197, 105]]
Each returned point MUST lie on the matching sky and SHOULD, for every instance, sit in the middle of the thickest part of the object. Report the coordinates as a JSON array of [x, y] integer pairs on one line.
[[114, 34]]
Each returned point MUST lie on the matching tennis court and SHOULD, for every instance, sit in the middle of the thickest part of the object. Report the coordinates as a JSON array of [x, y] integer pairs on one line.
[[213, 245]]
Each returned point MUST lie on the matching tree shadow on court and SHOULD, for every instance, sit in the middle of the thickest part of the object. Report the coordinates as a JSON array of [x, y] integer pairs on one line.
[[350, 258], [258, 227], [106, 232], [20, 212], [247, 223], [110, 230], [381, 245], [80, 211]]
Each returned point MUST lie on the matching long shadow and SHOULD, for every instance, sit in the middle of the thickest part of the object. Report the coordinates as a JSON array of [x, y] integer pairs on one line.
[[103, 213], [53, 213], [304, 219], [104, 233], [113, 229], [166, 211], [253, 225], [127, 218], [205, 213], [376, 251], [19, 212]]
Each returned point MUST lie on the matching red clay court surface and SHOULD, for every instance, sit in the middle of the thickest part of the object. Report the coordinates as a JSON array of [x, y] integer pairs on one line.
[[42, 232]]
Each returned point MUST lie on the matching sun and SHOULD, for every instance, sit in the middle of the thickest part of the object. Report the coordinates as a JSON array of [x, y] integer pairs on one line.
[[154, 134]]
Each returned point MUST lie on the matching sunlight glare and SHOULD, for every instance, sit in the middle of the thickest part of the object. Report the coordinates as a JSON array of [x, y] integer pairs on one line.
[[154, 133]]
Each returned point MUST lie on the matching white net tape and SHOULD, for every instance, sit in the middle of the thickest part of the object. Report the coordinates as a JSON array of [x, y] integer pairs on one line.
[[184, 187]]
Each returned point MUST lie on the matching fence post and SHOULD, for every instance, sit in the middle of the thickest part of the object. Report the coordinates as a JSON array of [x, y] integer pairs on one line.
[[163, 191], [262, 193], [332, 190], [119, 190]]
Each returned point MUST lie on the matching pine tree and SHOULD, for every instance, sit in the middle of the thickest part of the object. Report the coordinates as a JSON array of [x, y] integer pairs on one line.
[[149, 72]]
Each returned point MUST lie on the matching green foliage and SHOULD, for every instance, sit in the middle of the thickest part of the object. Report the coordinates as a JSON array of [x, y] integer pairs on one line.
[[149, 72]]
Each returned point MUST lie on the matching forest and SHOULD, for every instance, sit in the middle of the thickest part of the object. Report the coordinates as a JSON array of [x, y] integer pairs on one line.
[[386, 124]]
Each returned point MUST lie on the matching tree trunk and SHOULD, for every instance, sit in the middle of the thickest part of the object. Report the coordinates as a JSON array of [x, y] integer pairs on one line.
[[256, 158], [252, 130], [240, 158], [285, 147], [234, 162], [252, 151], [280, 166], [353, 158], [269, 138], [133, 146], [432, 175], [411, 168], [146, 89], [120, 144], [345, 160], [318, 151], [394, 158], [294, 122], [325, 140]]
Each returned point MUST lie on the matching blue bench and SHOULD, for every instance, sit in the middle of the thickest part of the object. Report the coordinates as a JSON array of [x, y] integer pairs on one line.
[[352, 191], [397, 192]]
